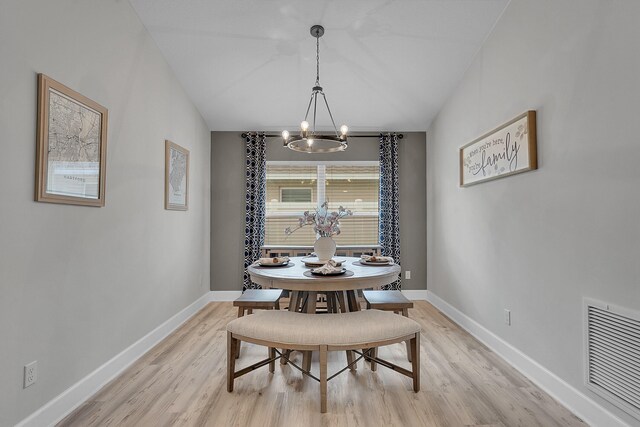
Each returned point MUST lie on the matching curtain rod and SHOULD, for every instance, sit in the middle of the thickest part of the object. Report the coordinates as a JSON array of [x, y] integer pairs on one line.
[[400, 136]]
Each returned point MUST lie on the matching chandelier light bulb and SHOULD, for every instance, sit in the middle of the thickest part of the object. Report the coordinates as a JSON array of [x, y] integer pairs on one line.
[[344, 129], [285, 134], [304, 125]]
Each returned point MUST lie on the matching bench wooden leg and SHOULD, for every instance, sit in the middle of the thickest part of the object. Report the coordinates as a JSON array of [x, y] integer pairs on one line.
[[311, 309], [231, 360], [405, 313], [240, 314], [350, 360], [343, 302], [374, 353], [415, 361], [323, 379], [294, 303], [272, 364]]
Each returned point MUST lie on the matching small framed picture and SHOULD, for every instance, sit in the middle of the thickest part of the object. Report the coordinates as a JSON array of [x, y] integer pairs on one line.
[[176, 177], [71, 146]]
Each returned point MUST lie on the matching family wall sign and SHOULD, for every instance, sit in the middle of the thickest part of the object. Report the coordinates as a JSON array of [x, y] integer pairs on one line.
[[506, 150]]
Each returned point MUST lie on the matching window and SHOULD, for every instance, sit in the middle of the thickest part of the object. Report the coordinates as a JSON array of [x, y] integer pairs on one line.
[[295, 195], [294, 187]]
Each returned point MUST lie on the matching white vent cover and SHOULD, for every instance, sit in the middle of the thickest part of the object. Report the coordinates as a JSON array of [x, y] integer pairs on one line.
[[613, 354]]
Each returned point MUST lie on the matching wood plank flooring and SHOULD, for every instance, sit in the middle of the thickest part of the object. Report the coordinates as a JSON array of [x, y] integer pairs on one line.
[[182, 382]]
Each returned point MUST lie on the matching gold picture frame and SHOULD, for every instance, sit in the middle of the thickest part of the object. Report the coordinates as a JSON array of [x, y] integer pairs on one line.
[[71, 146], [507, 150], [176, 177]]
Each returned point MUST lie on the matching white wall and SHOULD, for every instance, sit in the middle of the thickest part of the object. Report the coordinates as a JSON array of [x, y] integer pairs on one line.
[[538, 242], [78, 284]]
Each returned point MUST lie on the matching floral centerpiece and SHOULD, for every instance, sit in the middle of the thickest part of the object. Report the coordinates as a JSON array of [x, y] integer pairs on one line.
[[325, 224]]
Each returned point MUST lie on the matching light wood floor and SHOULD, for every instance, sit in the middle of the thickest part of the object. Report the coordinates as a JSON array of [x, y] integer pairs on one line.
[[181, 382]]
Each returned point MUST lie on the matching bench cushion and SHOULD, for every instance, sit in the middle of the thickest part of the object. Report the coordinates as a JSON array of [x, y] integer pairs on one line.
[[287, 327]]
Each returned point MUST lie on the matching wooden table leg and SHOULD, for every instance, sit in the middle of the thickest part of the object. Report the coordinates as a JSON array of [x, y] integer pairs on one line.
[[354, 305], [342, 303], [293, 301]]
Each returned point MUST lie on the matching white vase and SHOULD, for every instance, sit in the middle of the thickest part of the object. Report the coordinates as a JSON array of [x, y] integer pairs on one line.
[[325, 248]]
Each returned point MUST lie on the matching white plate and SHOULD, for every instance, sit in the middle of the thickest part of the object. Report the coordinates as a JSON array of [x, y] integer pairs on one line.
[[333, 273], [312, 261], [374, 262], [274, 264]]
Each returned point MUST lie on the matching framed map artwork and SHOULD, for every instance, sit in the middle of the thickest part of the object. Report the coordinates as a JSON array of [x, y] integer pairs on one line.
[[176, 177], [71, 146]]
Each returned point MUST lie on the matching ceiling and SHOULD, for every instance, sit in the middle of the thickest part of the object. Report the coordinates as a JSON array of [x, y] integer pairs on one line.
[[384, 64]]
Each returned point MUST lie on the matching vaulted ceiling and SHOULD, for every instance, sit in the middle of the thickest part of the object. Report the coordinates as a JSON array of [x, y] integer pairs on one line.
[[384, 64]]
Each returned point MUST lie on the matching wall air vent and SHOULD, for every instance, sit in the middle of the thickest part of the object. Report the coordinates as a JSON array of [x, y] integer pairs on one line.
[[613, 354]]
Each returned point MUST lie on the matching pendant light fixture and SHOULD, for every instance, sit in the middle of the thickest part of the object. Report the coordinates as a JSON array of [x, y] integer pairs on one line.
[[309, 141]]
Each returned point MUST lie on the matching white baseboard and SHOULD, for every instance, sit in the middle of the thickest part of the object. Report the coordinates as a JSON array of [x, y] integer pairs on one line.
[[415, 294], [581, 405], [217, 296], [62, 405]]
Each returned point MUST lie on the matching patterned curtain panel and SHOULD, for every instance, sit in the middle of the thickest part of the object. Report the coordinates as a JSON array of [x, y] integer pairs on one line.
[[256, 180], [389, 228]]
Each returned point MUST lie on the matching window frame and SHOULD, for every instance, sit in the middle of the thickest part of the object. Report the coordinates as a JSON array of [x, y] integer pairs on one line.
[[320, 184], [297, 188]]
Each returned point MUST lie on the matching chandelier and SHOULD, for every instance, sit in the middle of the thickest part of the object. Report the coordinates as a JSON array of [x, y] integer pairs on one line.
[[309, 141]]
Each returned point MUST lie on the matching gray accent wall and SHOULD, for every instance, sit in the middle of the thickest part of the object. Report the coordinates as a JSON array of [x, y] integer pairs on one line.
[[228, 191], [78, 285], [537, 243]]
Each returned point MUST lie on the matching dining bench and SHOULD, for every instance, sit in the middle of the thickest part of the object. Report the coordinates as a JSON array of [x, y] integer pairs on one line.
[[359, 331]]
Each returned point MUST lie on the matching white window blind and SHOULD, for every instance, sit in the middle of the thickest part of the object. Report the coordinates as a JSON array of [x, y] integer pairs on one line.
[[354, 185]]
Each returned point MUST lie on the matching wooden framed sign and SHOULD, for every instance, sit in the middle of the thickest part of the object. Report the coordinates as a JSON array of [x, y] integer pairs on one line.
[[71, 146], [176, 177], [506, 150]]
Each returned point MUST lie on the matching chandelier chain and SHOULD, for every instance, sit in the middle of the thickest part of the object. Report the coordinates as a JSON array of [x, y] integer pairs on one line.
[[317, 60]]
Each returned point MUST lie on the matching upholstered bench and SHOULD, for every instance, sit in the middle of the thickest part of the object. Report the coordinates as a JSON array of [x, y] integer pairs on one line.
[[323, 333], [390, 300]]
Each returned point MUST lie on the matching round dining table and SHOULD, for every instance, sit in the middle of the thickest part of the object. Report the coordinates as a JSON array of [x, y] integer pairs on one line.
[[340, 290], [297, 278]]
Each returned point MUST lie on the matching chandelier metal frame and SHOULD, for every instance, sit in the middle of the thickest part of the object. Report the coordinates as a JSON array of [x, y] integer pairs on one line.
[[308, 140]]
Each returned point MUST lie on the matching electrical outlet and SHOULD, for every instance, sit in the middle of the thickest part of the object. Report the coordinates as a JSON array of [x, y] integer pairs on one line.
[[30, 373], [407, 274], [507, 317]]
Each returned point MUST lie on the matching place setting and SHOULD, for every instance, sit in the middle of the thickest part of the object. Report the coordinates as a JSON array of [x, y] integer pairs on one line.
[[313, 261], [329, 268], [375, 261], [274, 262]]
